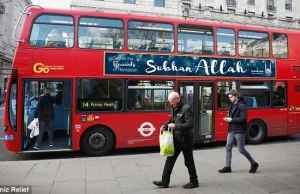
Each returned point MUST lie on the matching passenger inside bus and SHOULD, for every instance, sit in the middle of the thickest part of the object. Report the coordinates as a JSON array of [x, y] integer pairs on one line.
[[98, 93], [279, 96], [56, 39], [138, 106]]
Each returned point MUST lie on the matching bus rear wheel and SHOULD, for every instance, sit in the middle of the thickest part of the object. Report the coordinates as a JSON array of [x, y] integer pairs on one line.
[[97, 141], [256, 132]]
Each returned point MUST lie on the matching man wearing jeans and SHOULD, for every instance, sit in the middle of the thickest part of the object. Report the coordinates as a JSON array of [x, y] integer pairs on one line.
[[237, 120]]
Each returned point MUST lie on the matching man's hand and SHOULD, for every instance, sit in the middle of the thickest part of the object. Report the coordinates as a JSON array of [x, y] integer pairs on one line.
[[171, 126], [228, 119]]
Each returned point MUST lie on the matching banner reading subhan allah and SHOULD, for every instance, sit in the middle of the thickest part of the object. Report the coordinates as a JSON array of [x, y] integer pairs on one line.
[[175, 65]]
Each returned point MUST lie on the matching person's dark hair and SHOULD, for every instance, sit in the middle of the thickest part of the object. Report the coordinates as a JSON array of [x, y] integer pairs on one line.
[[234, 93], [59, 85]]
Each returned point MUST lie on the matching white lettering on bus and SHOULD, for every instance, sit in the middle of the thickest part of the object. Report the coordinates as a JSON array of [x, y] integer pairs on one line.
[[209, 69], [116, 64]]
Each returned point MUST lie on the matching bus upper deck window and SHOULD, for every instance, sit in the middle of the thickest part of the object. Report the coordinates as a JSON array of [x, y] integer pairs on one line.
[[280, 45], [150, 36], [101, 33], [254, 44], [225, 41], [195, 39], [52, 31]]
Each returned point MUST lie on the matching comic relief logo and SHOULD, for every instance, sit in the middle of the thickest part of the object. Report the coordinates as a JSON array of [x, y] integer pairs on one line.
[[146, 129], [41, 68]]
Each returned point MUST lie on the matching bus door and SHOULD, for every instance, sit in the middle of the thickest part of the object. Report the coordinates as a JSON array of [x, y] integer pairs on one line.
[[200, 96], [61, 92], [293, 107]]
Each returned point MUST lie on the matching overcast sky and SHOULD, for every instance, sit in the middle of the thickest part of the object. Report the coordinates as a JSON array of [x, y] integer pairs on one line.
[[61, 4]]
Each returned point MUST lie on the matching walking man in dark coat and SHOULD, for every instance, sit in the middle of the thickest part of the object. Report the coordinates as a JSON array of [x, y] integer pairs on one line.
[[182, 125], [237, 121]]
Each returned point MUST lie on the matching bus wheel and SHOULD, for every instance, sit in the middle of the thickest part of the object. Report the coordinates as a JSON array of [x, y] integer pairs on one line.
[[97, 141], [256, 132]]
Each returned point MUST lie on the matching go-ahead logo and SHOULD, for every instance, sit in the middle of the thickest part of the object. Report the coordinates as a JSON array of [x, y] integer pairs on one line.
[[41, 68], [146, 129]]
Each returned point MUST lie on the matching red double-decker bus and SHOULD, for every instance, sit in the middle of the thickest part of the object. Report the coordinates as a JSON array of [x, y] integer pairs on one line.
[[116, 71]]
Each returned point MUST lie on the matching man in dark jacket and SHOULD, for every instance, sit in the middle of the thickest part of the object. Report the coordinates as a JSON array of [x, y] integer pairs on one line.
[[182, 125], [44, 111], [237, 120]]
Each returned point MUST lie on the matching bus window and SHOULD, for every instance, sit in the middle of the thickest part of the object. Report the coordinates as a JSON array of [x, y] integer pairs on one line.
[[99, 94], [13, 104], [225, 41], [150, 36], [101, 33], [149, 95], [223, 89], [254, 44], [195, 39], [52, 31], [280, 45], [279, 94], [256, 94]]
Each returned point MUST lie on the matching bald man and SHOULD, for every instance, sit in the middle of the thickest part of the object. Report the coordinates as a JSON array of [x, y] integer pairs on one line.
[[182, 125]]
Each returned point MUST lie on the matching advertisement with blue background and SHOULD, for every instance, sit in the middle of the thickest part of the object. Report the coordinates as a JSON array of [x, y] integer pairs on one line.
[[174, 65]]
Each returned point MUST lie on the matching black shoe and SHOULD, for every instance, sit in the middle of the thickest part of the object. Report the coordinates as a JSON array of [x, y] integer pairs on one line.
[[50, 144], [254, 167], [191, 185], [36, 147], [225, 170], [163, 184]]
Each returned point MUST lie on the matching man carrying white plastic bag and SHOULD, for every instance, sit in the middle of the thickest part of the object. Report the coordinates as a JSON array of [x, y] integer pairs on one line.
[[166, 142], [181, 128]]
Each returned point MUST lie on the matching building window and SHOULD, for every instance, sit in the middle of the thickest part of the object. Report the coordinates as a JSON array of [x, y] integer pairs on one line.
[[231, 3], [129, 1], [251, 2], [288, 4], [159, 3], [271, 5]]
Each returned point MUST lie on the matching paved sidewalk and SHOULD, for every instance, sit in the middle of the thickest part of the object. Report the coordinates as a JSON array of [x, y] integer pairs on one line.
[[279, 172]]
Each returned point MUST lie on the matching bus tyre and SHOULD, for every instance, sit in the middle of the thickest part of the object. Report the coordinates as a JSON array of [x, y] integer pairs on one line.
[[97, 141], [256, 132]]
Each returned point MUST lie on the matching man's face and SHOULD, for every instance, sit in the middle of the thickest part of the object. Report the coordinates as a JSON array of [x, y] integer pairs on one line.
[[232, 98], [174, 102]]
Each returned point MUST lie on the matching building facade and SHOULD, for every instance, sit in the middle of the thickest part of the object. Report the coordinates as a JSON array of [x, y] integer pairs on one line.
[[269, 13], [10, 11]]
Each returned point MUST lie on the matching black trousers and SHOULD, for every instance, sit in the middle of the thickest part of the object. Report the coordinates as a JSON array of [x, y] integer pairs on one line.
[[188, 161], [42, 125]]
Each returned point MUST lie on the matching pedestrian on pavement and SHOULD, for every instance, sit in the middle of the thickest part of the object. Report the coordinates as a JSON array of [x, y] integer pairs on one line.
[[182, 125], [44, 111], [237, 127]]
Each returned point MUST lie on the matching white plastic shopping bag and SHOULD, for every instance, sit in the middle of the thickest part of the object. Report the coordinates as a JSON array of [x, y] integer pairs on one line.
[[166, 143], [34, 127]]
